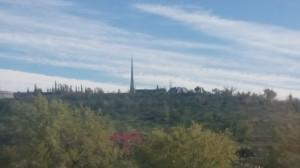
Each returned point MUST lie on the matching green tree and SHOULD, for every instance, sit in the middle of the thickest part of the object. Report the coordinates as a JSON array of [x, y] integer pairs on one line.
[[191, 147], [269, 94], [244, 130], [286, 150], [52, 134]]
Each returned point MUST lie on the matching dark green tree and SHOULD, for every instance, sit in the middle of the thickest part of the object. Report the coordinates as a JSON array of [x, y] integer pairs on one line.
[[269, 94]]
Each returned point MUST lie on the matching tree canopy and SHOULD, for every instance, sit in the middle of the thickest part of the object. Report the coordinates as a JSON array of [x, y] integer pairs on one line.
[[191, 147], [44, 133], [265, 128]]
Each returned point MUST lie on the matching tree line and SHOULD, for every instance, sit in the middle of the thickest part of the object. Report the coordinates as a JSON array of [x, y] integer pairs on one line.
[[42, 133], [265, 129]]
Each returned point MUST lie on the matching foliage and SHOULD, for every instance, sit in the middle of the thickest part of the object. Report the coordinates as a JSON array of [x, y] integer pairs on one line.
[[286, 151], [270, 94], [181, 147], [44, 133], [255, 120], [244, 130]]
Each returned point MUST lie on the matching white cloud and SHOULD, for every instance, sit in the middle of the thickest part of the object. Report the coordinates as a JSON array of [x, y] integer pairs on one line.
[[266, 37], [41, 3], [47, 33], [20, 81], [209, 84], [274, 48]]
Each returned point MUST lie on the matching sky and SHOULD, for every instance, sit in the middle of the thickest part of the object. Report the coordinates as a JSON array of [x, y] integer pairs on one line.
[[247, 45]]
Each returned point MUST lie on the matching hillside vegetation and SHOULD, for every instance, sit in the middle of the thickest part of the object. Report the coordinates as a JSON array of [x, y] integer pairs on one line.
[[265, 130]]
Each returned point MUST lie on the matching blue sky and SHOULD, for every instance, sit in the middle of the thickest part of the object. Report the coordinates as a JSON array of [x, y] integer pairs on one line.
[[249, 45]]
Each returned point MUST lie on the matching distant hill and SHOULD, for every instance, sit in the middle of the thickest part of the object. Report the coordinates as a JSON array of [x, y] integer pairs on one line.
[[254, 120]]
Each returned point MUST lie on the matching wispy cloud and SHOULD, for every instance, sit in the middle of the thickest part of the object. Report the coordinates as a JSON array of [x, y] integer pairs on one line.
[[52, 34], [21, 81], [275, 47], [266, 37], [267, 40]]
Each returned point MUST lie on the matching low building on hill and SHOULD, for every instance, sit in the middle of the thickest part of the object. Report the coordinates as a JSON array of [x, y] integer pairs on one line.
[[177, 90], [124, 139], [6, 95]]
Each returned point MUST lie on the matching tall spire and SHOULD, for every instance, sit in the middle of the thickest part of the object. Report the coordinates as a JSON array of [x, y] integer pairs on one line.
[[132, 90]]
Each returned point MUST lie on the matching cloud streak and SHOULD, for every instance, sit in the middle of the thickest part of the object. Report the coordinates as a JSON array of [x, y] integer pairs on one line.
[[268, 41], [266, 37], [52, 34], [17, 80]]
